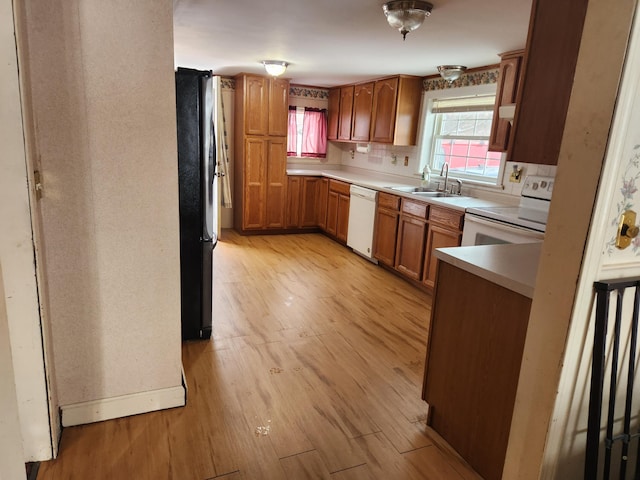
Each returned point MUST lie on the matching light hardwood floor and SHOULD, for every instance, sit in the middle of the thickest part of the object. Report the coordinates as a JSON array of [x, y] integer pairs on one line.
[[314, 371]]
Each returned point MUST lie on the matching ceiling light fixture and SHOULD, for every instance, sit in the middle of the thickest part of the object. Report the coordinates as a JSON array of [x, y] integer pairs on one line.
[[275, 67], [406, 16], [451, 72]]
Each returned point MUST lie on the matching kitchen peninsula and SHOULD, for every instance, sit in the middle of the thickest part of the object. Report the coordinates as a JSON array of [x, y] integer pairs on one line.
[[475, 347]]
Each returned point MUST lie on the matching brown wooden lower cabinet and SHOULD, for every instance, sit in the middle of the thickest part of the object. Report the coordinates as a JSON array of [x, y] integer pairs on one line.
[[294, 190], [303, 202], [386, 229], [323, 197], [410, 248], [343, 217], [309, 202], [412, 230], [473, 364], [445, 230], [338, 210], [437, 237], [332, 213]]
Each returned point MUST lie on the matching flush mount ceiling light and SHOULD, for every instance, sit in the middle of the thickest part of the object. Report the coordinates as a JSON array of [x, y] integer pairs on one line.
[[451, 72], [406, 16], [275, 67]]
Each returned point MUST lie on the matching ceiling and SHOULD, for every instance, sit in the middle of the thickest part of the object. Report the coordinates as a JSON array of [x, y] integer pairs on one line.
[[334, 42]]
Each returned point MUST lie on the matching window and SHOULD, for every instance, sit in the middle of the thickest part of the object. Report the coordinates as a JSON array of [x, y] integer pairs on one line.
[[307, 132], [460, 137]]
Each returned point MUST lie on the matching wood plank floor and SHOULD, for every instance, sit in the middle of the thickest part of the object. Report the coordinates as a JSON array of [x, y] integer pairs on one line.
[[314, 371]]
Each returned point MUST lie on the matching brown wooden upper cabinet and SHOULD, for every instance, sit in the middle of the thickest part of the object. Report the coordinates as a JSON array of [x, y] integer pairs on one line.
[[334, 114], [383, 111], [361, 116], [266, 105], [509, 83], [346, 108], [551, 56]]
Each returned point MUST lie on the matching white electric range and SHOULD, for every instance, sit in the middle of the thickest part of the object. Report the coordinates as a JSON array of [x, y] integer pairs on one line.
[[524, 223]]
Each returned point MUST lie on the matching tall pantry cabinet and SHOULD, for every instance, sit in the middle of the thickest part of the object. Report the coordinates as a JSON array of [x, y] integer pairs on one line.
[[260, 168]]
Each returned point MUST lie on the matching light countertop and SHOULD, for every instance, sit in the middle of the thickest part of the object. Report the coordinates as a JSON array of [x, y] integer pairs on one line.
[[512, 266], [381, 183]]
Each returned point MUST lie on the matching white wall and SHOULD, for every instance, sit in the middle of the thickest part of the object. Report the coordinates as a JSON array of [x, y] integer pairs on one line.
[[17, 256], [11, 451], [101, 85]]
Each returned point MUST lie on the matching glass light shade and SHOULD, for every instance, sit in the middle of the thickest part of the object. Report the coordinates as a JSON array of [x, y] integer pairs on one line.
[[406, 16], [275, 67], [451, 72]]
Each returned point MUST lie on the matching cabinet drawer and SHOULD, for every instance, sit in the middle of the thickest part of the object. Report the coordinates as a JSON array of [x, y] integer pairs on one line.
[[417, 209], [339, 187], [386, 200], [448, 218]]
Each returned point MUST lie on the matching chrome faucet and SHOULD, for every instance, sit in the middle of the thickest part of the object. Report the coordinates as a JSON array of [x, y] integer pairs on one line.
[[459, 182], [445, 173]]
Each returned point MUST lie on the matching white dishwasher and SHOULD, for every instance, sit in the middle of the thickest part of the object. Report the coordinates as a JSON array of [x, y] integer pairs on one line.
[[362, 215]]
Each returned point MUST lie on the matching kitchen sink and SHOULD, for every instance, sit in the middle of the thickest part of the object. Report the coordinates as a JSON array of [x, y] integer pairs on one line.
[[421, 191], [431, 194], [414, 189]]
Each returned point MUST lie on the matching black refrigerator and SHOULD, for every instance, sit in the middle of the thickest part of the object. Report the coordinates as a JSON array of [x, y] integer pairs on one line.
[[196, 173]]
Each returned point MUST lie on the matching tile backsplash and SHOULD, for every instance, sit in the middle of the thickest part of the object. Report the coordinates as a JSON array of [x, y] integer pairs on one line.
[[512, 188]]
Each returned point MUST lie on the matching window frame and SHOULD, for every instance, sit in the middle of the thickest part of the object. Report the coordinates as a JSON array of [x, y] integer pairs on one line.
[[427, 129]]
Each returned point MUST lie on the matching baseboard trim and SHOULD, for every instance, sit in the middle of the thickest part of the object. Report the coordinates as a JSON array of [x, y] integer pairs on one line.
[[123, 406]]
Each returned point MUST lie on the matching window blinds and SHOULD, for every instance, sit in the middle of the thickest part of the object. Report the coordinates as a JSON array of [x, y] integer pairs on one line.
[[481, 103]]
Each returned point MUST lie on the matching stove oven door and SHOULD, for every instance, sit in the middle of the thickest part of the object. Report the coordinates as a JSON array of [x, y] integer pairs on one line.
[[482, 231]]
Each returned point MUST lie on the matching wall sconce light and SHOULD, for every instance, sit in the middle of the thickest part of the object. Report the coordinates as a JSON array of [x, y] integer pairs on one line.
[[275, 68], [406, 16], [451, 72]]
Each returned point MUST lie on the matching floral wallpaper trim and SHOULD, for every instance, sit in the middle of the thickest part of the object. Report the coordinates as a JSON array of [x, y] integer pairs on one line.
[[308, 92], [228, 83], [628, 188], [486, 77]]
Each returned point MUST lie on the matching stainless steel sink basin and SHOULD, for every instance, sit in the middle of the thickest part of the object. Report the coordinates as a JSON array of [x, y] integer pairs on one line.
[[431, 194], [415, 189]]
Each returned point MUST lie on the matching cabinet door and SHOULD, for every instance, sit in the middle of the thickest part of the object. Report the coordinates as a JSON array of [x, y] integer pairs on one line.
[[278, 106], [386, 233], [473, 365], [508, 81], [276, 183], [361, 118], [384, 110], [437, 237], [332, 213], [254, 183], [410, 248], [334, 114], [552, 46], [343, 218], [293, 201], [256, 105], [309, 202], [323, 197], [346, 108]]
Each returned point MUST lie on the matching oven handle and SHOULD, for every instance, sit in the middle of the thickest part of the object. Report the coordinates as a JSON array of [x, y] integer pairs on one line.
[[470, 217]]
